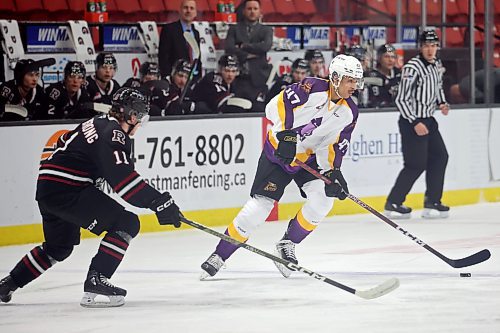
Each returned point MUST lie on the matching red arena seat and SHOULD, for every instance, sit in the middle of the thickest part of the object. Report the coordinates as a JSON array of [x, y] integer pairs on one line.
[[7, 9]]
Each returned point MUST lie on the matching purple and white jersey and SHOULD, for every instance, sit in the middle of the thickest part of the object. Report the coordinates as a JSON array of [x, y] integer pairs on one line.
[[324, 127]]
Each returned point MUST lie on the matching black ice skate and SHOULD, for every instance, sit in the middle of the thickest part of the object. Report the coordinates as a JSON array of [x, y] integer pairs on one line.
[[7, 288], [285, 249], [435, 210], [97, 285], [396, 211], [210, 267]]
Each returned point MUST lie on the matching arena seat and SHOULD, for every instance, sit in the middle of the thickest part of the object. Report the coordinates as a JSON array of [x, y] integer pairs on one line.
[[58, 9], [32, 10], [455, 36], [377, 11], [305, 7], [154, 9], [269, 11], [7, 9], [433, 10], [391, 6], [288, 10]]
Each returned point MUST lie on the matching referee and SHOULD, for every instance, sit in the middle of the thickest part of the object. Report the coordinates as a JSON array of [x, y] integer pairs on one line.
[[420, 91]]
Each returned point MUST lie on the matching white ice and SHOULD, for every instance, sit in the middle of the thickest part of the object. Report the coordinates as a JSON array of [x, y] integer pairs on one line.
[[161, 270]]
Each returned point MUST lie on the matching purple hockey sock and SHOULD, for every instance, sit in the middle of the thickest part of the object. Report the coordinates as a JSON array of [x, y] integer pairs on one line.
[[295, 232]]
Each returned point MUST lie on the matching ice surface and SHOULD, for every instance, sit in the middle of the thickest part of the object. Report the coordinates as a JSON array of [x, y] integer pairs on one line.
[[161, 271]]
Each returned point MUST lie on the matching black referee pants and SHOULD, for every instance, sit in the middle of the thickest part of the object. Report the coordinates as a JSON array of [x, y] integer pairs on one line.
[[421, 153]]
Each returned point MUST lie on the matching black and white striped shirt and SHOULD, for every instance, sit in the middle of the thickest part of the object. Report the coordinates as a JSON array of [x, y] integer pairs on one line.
[[421, 88]]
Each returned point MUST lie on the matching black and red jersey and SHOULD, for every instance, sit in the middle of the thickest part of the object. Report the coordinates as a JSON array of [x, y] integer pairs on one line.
[[97, 149]]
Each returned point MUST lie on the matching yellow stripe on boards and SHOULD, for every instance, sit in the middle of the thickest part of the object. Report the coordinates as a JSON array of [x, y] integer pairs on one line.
[[32, 233]]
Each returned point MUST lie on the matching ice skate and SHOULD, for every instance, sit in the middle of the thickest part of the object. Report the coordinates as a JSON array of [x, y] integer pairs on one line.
[[397, 211], [7, 288], [285, 249], [97, 286], [435, 210], [211, 266]]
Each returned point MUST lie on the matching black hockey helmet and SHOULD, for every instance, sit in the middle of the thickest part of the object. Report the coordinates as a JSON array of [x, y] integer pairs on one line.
[[181, 66], [105, 58], [228, 61], [149, 68], [23, 66], [300, 63], [313, 54], [357, 51], [131, 102], [386, 48], [428, 36], [76, 68]]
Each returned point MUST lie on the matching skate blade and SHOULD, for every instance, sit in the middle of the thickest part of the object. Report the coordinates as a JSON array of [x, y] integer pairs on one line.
[[428, 213], [204, 276], [282, 268], [396, 216], [89, 301]]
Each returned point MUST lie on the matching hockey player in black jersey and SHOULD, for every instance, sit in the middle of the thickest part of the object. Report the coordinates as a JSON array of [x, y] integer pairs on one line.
[[149, 81], [171, 104], [212, 93], [382, 83], [101, 86], [98, 149], [22, 98], [300, 69], [67, 97], [316, 63]]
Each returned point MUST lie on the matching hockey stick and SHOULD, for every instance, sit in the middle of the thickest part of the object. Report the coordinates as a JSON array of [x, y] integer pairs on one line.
[[473, 259], [374, 292], [196, 55]]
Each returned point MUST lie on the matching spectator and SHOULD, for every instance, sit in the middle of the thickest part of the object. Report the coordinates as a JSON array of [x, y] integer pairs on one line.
[[300, 68], [173, 45], [67, 97], [420, 91], [460, 92], [101, 86], [316, 63], [22, 98], [249, 41], [215, 91], [383, 82]]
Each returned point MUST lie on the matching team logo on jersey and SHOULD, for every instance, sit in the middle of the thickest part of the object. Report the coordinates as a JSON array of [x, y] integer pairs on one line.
[[271, 187], [306, 87], [118, 136]]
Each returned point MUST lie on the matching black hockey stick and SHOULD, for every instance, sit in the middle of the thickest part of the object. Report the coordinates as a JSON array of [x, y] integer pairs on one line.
[[374, 292], [196, 59], [473, 259]]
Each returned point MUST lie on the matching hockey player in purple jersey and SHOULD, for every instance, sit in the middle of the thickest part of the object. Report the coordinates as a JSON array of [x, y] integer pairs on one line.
[[312, 122], [98, 149]]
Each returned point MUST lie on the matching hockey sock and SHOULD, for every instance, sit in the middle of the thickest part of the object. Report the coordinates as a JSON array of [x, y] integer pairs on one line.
[[31, 266], [225, 249], [298, 228], [111, 251]]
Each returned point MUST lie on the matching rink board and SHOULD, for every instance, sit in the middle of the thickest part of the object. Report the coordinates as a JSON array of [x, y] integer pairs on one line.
[[209, 164]]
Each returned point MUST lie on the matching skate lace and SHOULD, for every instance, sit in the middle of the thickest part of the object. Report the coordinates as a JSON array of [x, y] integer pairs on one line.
[[289, 249], [105, 282], [215, 261]]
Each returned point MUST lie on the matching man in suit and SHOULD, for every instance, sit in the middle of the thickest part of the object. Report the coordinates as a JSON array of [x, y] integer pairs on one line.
[[249, 41], [173, 45]]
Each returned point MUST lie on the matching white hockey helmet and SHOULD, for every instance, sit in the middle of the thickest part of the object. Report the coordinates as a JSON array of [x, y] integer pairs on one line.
[[345, 65]]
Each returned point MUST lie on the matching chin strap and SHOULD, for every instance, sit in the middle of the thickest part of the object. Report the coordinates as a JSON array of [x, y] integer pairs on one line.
[[131, 127]]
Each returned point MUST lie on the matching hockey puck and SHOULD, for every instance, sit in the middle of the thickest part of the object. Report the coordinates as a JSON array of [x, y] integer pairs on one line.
[[465, 274]]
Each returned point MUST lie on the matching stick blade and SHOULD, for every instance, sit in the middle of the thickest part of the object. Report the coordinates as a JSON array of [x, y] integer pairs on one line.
[[474, 259], [192, 43], [380, 290]]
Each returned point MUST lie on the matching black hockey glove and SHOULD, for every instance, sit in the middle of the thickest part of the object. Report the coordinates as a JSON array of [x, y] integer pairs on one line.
[[166, 210], [338, 186], [287, 146]]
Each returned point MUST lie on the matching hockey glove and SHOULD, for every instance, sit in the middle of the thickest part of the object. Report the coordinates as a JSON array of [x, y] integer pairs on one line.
[[166, 210], [287, 146], [338, 186]]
